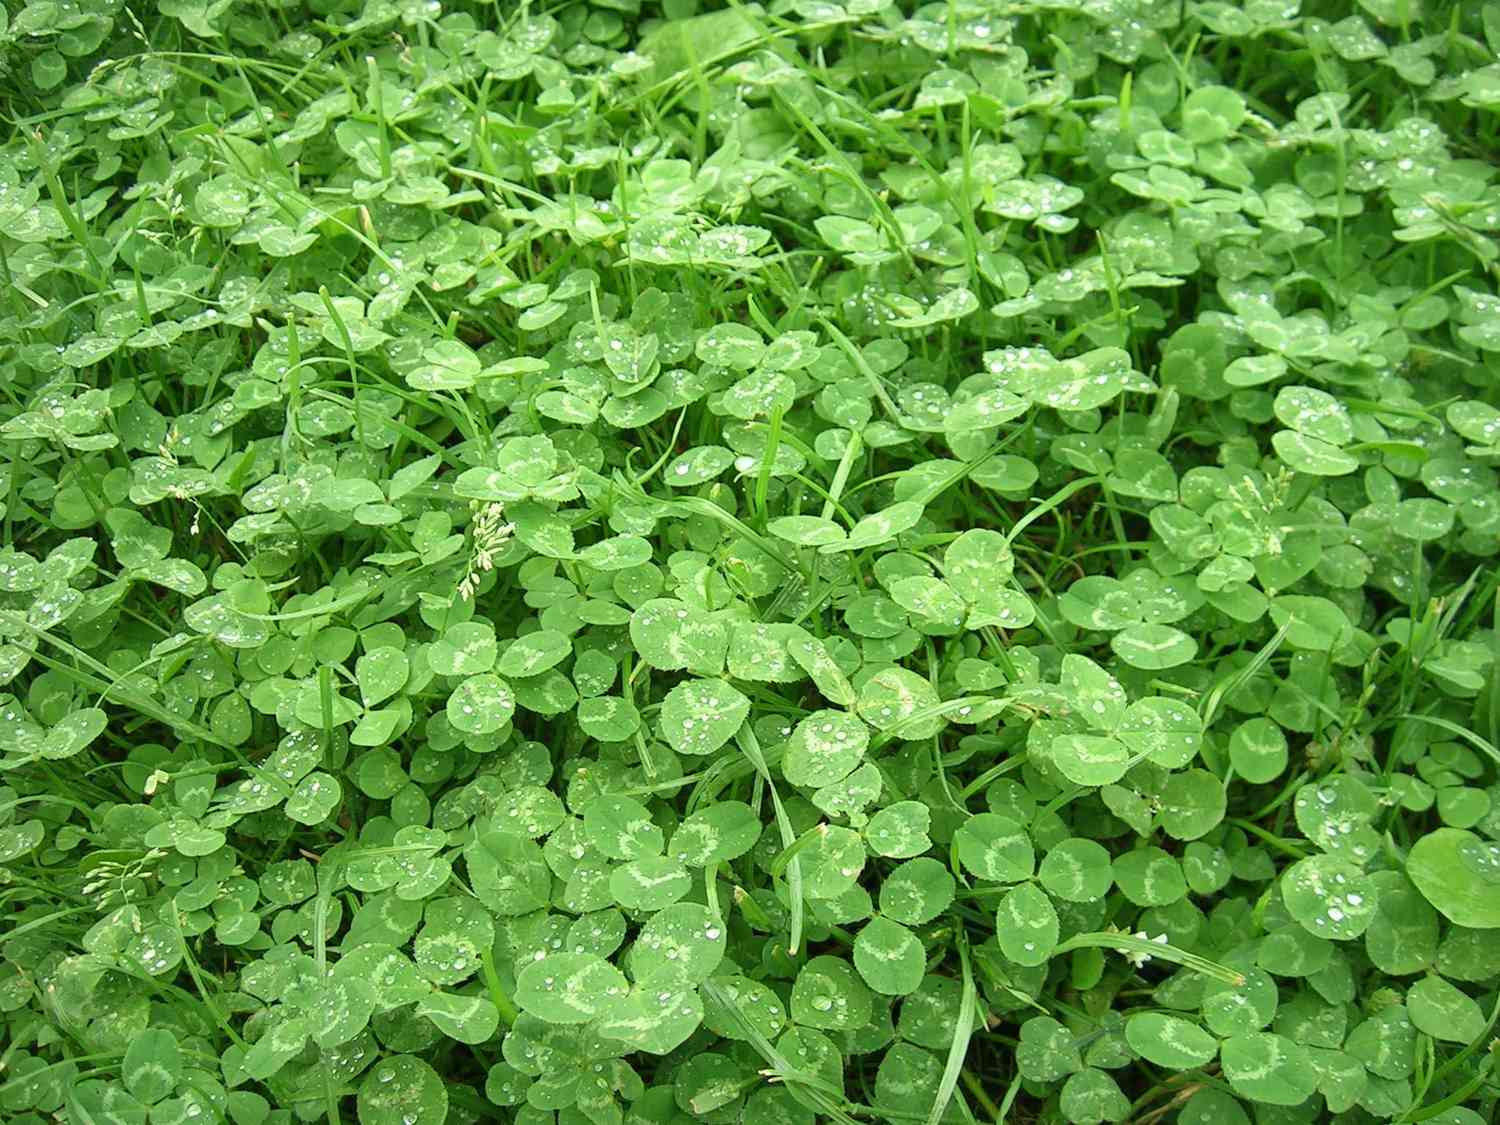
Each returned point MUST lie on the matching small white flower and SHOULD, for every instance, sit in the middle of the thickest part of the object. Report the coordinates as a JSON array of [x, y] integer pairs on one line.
[[488, 533], [1140, 959]]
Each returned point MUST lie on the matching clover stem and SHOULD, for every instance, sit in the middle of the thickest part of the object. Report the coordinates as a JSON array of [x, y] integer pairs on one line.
[[975, 1087], [498, 996]]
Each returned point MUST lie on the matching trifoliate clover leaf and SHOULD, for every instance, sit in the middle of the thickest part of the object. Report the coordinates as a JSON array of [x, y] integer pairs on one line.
[[1153, 647], [1315, 413], [899, 831], [464, 1019], [1423, 519], [1149, 877], [731, 1001], [699, 716], [932, 603], [621, 828], [1267, 1067], [917, 891], [504, 1085], [759, 394], [678, 947], [508, 873], [903, 1081], [608, 718], [1084, 382], [649, 883], [898, 700], [1211, 113], [188, 837], [568, 988], [824, 748], [1458, 873], [1312, 455], [850, 796], [984, 411], [601, 932], [447, 365], [928, 1016], [698, 466], [314, 798], [1230, 1009], [381, 673], [831, 862], [152, 1065], [1311, 622], [1099, 602], [995, 847], [652, 1017], [731, 345], [73, 733], [618, 553], [1076, 870], [339, 1009], [388, 973], [1026, 925], [1169, 1041], [455, 934], [889, 957], [1258, 750], [1335, 814], [1047, 1051], [530, 811], [1479, 422], [708, 1082], [762, 653], [806, 531], [534, 653], [827, 994], [550, 693], [1168, 732], [541, 529], [812, 656], [672, 635], [877, 528], [1092, 1096], [402, 1090], [273, 1050], [1192, 804], [1403, 936], [723, 831], [1088, 759], [1330, 897], [481, 704], [1445, 1012]]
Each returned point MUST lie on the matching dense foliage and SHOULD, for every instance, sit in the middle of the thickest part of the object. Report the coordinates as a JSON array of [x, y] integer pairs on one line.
[[583, 562]]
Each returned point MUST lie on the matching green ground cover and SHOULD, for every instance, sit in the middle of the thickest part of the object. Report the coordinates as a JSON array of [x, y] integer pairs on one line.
[[584, 563]]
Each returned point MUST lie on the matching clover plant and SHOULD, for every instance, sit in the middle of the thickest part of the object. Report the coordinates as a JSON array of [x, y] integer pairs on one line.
[[609, 562]]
